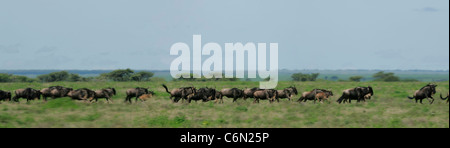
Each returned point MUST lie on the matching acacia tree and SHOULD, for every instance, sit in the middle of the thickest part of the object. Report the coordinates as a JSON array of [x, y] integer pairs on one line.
[[142, 76], [119, 75], [386, 77], [356, 78]]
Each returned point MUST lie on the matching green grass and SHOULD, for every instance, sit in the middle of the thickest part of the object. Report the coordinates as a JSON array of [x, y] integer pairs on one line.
[[389, 108]]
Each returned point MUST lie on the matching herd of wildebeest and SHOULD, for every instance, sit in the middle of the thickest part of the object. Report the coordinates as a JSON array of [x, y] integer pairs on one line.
[[210, 94]]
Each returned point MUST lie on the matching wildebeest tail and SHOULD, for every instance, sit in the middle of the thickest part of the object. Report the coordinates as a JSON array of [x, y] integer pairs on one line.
[[444, 98], [167, 90], [410, 97]]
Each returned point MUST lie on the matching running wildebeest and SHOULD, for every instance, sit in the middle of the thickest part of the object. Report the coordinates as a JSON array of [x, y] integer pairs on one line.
[[204, 94], [234, 93], [5, 95], [248, 93], [55, 92], [28, 93], [321, 96], [145, 97], [82, 94], [105, 93], [447, 98], [357, 93], [287, 93], [426, 92], [310, 95], [135, 92], [367, 97], [180, 93], [266, 94]]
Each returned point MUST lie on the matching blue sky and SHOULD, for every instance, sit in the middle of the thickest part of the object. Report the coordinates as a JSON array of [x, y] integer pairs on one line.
[[138, 34]]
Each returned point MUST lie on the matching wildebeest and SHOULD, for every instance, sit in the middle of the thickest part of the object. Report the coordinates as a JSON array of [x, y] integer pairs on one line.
[[426, 92], [55, 92], [28, 93], [248, 93], [135, 92], [445, 98], [287, 93], [105, 93], [145, 97], [234, 93], [310, 95], [180, 93], [357, 93], [266, 94], [321, 96], [367, 97], [204, 94], [5, 95], [82, 94]]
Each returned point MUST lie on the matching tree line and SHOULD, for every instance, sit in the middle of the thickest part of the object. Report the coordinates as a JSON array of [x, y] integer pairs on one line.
[[121, 75], [124, 75]]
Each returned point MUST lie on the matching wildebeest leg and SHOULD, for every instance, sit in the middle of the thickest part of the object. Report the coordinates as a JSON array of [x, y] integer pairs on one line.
[[128, 99], [421, 101], [432, 100], [107, 99], [136, 99]]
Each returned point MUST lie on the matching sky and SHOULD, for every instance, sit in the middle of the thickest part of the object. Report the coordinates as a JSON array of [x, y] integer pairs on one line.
[[138, 34]]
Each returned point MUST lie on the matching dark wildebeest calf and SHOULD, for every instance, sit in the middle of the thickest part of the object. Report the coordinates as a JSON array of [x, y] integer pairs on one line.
[[28, 93], [5, 95], [426, 92]]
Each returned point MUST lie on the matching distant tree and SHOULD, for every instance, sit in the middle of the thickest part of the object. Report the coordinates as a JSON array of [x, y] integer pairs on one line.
[[74, 78], [356, 78], [386, 77], [304, 77], [54, 76], [142, 76], [5, 77], [314, 76], [118, 75], [15, 78]]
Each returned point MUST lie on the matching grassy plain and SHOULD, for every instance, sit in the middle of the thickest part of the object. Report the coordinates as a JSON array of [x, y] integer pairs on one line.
[[389, 108]]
